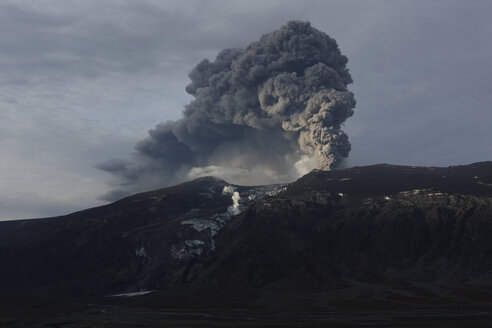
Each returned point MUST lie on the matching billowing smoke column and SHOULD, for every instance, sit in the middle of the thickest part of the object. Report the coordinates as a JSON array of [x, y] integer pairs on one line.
[[265, 114]]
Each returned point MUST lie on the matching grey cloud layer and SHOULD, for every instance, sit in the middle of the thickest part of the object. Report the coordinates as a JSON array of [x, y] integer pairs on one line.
[[272, 107]]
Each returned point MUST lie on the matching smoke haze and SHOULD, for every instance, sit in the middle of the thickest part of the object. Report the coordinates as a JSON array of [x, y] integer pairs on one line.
[[265, 114]]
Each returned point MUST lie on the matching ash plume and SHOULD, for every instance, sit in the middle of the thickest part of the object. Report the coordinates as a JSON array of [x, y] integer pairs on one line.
[[268, 113]]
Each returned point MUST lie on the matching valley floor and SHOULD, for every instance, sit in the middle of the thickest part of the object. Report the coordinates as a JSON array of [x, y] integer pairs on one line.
[[365, 305], [104, 316]]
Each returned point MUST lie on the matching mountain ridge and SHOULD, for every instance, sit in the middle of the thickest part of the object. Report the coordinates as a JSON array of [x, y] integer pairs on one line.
[[399, 235]]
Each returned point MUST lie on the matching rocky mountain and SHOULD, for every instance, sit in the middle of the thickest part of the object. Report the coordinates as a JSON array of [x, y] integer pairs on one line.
[[380, 236]]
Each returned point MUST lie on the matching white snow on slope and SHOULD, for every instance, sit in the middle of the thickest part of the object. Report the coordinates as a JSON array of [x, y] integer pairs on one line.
[[133, 294]]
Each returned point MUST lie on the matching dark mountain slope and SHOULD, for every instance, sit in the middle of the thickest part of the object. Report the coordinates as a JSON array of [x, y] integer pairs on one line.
[[379, 225], [126, 245], [408, 237], [372, 224], [98, 249]]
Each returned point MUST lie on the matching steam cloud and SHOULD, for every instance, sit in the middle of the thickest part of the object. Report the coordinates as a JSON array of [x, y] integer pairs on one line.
[[265, 114], [234, 208]]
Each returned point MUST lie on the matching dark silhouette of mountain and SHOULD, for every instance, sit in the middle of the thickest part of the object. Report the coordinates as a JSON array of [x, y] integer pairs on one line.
[[379, 237]]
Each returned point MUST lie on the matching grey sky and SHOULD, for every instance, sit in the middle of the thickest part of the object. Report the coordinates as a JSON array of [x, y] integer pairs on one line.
[[82, 82]]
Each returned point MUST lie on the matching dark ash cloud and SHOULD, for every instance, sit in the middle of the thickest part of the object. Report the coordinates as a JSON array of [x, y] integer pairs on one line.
[[264, 114]]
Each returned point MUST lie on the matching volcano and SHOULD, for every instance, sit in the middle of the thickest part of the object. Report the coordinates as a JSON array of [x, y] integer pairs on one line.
[[370, 245]]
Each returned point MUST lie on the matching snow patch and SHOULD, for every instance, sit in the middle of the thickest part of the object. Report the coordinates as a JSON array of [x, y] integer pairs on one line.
[[414, 192], [214, 223], [276, 191], [263, 191], [193, 243], [185, 252], [211, 225], [140, 251], [435, 194], [133, 294], [202, 224]]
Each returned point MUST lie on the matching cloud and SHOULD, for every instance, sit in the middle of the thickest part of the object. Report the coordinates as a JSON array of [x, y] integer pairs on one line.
[[259, 109]]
